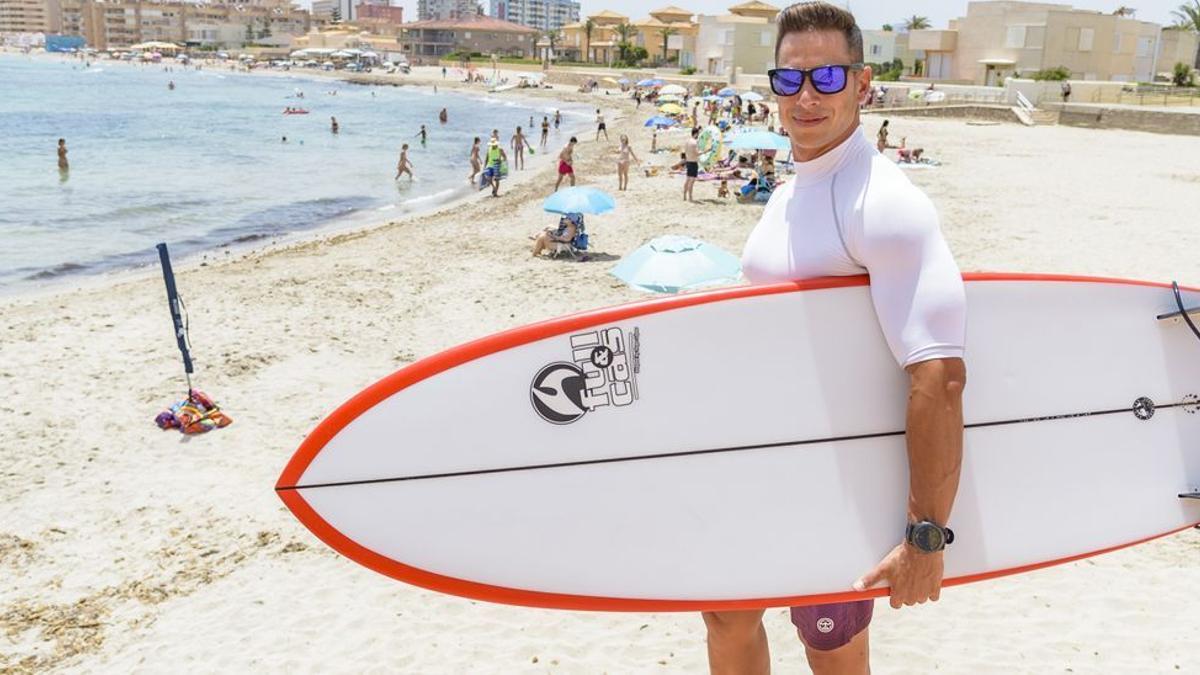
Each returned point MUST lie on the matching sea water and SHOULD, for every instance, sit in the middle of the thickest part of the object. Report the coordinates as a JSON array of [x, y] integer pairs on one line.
[[205, 165]]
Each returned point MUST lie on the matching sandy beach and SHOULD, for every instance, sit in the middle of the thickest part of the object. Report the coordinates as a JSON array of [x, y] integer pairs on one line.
[[124, 548]]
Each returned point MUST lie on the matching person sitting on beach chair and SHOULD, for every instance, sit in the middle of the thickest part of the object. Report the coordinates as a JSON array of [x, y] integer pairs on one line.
[[569, 225]]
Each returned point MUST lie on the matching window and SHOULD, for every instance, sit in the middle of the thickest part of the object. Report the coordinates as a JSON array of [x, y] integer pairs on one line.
[[875, 50], [1116, 43], [1015, 38], [1086, 35], [1145, 47]]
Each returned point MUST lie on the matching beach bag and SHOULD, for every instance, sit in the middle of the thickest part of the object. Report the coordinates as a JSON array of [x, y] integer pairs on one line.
[[580, 241]]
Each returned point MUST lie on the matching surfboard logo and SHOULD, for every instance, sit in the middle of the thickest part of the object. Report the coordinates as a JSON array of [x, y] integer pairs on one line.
[[557, 393], [602, 373]]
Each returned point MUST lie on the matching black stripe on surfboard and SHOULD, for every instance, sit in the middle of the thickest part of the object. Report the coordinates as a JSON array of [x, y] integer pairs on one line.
[[706, 451]]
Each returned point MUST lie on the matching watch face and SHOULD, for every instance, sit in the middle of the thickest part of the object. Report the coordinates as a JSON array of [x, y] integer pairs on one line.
[[928, 537]]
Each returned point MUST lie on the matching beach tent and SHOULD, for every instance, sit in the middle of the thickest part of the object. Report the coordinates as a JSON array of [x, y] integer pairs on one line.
[[156, 46]]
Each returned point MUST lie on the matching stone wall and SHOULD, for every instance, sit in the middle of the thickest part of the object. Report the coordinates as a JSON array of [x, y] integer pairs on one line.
[[997, 113], [1155, 121]]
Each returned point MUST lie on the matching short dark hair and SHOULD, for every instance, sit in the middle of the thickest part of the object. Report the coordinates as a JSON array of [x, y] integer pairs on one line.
[[806, 16], [573, 140], [695, 131]]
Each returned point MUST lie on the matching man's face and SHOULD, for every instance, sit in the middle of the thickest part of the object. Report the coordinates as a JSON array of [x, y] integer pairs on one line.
[[817, 122]]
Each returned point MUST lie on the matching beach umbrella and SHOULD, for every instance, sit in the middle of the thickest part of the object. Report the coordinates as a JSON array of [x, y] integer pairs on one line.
[[671, 108], [609, 80], [674, 263], [673, 89], [669, 98], [759, 140], [727, 91], [579, 200], [623, 80], [752, 96], [713, 97], [650, 83], [660, 121]]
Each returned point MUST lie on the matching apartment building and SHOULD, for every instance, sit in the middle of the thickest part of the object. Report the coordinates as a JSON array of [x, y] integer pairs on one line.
[[424, 41], [441, 10], [999, 38], [544, 15], [744, 38], [29, 16], [885, 46], [107, 24], [1177, 45]]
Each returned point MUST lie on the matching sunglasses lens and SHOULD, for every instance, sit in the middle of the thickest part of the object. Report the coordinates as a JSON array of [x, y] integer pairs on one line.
[[829, 79], [786, 82]]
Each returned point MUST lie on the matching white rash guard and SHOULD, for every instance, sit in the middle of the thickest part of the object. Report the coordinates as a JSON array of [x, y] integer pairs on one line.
[[853, 211]]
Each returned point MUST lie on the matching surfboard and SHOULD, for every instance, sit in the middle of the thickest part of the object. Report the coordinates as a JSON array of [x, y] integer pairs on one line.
[[745, 447]]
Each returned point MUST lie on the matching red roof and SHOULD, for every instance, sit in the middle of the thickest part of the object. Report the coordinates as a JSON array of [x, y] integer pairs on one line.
[[476, 22]]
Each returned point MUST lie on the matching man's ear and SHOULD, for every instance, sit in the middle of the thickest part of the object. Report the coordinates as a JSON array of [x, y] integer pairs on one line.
[[864, 84]]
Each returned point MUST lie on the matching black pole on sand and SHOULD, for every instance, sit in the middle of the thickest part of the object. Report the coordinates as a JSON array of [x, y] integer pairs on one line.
[[177, 312]]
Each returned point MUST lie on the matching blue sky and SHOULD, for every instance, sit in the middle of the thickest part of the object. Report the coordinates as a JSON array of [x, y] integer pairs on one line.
[[870, 13]]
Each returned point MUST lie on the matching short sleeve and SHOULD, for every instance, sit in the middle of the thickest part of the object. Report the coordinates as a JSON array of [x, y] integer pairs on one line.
[[916, 286]]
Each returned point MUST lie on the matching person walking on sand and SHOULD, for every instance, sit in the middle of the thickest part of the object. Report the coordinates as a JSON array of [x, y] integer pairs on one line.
[[333, 125], [518, 144], [848, 211], [566, 163], [545, 132], [624, 155], [691, 155], [476, 162], [881, 143], [63, 165], [404, 166], [495, 165], [423, 135], [601, 127]]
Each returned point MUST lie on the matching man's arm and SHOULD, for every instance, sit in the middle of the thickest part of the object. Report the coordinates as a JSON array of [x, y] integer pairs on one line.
[[920, 302]]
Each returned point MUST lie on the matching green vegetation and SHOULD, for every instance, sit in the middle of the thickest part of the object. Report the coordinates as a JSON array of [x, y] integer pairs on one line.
[[690, 70], [1052, 74], [1183, 75], [887, 72], [1188, 16], [916, 22]]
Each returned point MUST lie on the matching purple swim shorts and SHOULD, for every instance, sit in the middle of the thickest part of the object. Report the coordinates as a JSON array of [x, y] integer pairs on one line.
[[827, 627]]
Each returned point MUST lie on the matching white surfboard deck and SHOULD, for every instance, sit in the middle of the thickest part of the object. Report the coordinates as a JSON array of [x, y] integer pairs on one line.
[[745, 448]]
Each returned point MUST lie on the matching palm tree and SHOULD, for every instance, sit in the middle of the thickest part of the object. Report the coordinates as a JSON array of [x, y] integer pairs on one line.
[[916, 22], [588, 27], [1188, 16], [666, 33], [552, 37], [887, 27], [1124, 11], [625, 31]]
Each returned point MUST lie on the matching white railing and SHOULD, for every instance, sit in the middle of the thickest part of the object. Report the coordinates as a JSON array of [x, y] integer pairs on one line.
[[1024, 103]]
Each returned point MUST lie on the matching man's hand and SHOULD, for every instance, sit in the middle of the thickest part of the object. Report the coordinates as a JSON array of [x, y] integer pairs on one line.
[[913, 576]]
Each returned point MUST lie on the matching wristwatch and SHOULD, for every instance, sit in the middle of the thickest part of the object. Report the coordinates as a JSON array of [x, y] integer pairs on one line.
[[928, 537]]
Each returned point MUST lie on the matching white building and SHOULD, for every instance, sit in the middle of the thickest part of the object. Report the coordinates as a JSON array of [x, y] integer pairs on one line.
[[540, 14], [441, 10]]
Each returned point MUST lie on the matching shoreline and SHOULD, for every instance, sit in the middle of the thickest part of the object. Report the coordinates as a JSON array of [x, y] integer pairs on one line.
[[56, 282]]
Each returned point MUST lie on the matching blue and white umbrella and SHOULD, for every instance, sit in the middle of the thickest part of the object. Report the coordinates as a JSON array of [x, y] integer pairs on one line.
[[713, 97], [651, 83], [660, 121], [579, 200], [759, 140], [676, 263], [727, 91], [752, 96], [623, 80]]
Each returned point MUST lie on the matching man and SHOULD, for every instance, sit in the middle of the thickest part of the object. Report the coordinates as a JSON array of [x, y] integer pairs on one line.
[[566, 166], [518, 145], [849, 210], [601, 127], [494, 167], [333, 125], [423, 135], [691, 152], [1066, 91], [404, 166]]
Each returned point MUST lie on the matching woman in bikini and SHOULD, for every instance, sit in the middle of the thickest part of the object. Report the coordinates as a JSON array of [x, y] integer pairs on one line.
[[476, 163], [624, 154]]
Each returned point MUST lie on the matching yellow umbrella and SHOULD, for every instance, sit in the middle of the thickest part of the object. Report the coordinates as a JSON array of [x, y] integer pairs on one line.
[[671, 108], [610, 80]]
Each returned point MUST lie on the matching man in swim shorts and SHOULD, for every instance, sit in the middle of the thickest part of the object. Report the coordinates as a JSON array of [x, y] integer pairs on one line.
[[848, 210], [691, 152], [566, 163]]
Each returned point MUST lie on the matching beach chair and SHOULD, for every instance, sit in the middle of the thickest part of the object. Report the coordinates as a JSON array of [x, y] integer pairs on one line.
[[577, 246]]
